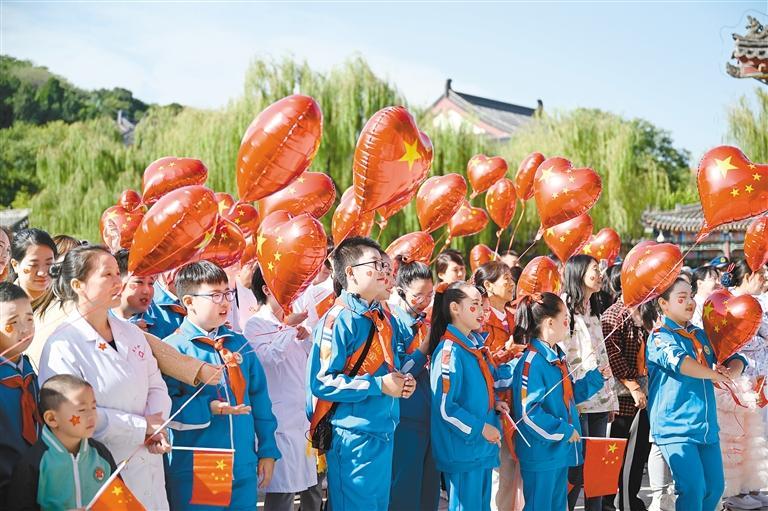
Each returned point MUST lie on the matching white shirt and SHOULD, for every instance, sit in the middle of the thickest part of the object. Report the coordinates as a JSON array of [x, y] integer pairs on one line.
[[128, 387], [310, 298], [247, 305], [284, 359]]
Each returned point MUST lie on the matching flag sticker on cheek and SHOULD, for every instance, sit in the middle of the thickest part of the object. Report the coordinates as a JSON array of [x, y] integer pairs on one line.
[[26, 271], [472, 309], [369, 273], [9, 329], [681, 301], [75, 420]]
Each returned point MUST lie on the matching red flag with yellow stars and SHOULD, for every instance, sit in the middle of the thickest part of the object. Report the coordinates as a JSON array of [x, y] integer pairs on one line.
[[116, 497], [603, 458], [212, 477]]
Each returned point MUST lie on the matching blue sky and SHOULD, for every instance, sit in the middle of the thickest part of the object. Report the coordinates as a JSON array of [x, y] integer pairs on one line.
[[664, 62]]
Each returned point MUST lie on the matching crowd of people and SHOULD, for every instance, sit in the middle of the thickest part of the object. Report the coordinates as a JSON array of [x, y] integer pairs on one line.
[[385, 386]]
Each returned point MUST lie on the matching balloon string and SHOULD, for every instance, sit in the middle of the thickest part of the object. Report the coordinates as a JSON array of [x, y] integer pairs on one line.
[[437, 247], [517, 226], [536, 239], [158, 429], [498, 240]]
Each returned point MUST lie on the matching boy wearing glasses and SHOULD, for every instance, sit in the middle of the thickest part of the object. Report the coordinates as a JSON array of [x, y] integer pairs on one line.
[[358, 413], [230, 415]]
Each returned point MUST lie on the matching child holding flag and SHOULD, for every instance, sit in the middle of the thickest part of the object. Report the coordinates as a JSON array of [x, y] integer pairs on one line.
[[544, 402], [227, 418], [66, 467], [465, 427]]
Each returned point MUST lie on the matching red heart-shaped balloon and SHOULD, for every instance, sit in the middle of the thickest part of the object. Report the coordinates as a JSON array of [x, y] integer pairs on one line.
[[562, 192], [348, 221], [171, 173], [388, 211], [225, 201], [526, 173], [730, 321], [312, 193], [540, 275], [500, 202], [129, 199], [414, 246], [606, 244], [245, 216], [438, 199], [174, 230], [278, 146], [227, 245], [730, 187], [466, 221], [648, 270], [391, 158], [483, 172], [249, 252], [567, 238], [756, 243], [479, 255], [118, 225], [291, 252]]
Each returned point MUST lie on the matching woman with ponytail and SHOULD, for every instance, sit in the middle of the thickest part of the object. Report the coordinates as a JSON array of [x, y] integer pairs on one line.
[[115, 358], [464, 424], [544, 402]]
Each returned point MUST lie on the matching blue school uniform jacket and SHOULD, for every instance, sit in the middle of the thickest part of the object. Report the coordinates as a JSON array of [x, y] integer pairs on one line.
[[12, 444], [196, 427], [415, 409], [460, 405], [163, 317], [362, 408], [681, 408], [543, 418]]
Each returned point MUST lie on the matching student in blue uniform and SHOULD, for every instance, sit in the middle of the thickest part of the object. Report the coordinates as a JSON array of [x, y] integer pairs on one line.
[[415, 479], [166, 311], [465, 427], [136, 296], [544, 402], [366, 406], [19, 420], [231, 415], [681, 400]]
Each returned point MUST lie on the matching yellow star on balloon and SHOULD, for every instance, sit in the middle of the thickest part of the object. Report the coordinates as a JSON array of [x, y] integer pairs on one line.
[[278, 255], [550, 232], [546, 174], [411, 154], [749, 189], [270, 266], [708, 308], [259, 242], [207, 239], [301, 179], [724, 166], [734, 192], [587, 249]]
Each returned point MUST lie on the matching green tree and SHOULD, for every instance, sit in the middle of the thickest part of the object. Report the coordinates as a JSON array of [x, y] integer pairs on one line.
[[748, 125]]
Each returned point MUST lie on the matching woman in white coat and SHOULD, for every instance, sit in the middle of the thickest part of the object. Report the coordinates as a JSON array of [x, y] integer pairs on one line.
[[115, 358], [282, 346]]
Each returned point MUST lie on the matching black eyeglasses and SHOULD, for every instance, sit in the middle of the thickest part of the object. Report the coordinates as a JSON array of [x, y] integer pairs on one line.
[[219, 297], [378, 265]]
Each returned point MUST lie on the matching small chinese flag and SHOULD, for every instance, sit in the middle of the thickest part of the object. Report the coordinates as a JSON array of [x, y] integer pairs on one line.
[[212, 478], [508, 429], [603, 458], [116, 497]]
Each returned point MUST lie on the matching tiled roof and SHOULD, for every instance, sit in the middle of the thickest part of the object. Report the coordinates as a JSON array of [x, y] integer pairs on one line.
[[503, 116], [685, 218]]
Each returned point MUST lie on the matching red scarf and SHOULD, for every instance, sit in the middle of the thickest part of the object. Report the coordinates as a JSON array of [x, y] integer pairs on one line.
[[484, 360], [565, 377], [232, 363], [29, 417]]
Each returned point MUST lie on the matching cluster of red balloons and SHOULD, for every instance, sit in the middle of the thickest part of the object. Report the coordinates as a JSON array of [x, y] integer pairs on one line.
[[177, 219]]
